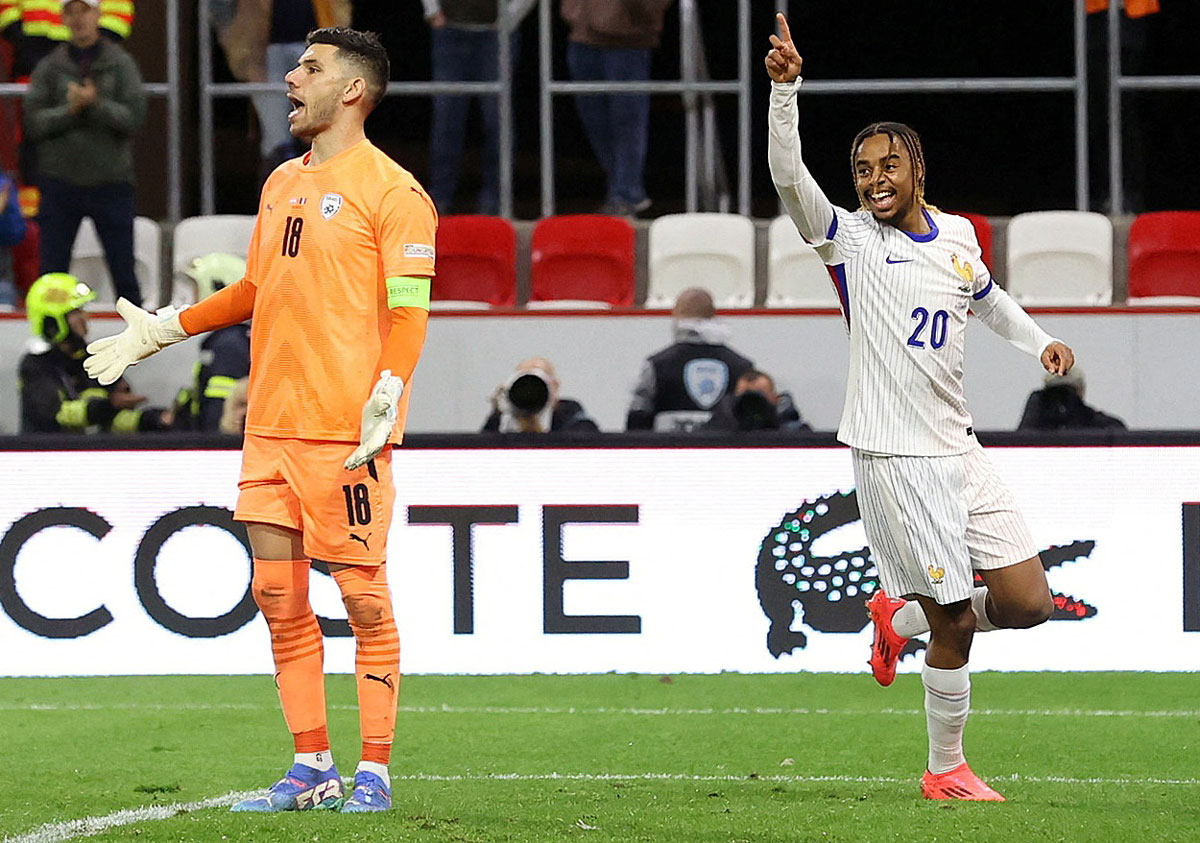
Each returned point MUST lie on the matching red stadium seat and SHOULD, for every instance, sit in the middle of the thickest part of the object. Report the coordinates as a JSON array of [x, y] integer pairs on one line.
[[476, 262], [983, 231], [1164, 258], [25, 258], [582, 260]]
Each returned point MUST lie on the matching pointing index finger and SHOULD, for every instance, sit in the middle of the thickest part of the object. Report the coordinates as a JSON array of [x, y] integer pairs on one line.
[[784, 32]]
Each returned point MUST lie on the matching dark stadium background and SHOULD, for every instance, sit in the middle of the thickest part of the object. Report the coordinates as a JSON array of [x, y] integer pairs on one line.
[[992, 153]]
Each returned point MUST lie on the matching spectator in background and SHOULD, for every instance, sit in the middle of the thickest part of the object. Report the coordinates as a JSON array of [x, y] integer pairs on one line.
[[57, 396], [679, 385], [262, 41], [1059, 405], [612, 42], [756, 405], [465, 47], [12, 231], [35, 28], [84, 103], [233, 409], [529, 402], [224, 354]]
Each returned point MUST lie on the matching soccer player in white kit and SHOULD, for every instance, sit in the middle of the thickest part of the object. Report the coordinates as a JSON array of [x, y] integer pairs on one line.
[[933, 507]]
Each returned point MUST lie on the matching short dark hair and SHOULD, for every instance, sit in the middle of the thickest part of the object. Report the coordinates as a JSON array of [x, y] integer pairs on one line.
[[362, 49]]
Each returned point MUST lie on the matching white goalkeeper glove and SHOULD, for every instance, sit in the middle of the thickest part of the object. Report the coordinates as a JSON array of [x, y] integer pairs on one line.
[[144, 334], [378, 419]]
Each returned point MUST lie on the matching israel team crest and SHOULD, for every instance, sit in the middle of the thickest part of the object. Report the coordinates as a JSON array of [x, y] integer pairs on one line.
[[705, 380], [331, 203]]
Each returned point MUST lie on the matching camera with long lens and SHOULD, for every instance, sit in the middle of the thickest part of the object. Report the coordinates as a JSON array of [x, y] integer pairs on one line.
[[753, 410], [527, 393]]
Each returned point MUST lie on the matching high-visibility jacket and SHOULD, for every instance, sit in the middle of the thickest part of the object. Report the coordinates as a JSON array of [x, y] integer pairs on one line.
[[1133, 8], [43, 18]]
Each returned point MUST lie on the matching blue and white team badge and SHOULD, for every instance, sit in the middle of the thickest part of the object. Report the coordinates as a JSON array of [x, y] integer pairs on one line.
[[705, 380], [331, 203]]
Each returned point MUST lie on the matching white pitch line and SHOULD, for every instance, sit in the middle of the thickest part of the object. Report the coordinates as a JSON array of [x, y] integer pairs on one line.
[[87, 826], [57, 832], [604, 710]]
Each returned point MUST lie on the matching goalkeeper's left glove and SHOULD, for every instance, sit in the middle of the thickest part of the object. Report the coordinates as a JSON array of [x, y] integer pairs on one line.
[[378, 419]]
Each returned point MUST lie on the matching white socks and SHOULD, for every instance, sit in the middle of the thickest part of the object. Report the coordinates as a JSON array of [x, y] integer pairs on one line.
[[979, 603], [947, 702], [909, 620], [378, 769], [317, 760], [323, 761]]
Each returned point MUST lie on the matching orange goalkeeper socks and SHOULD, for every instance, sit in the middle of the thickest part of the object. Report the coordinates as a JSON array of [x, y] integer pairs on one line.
[[280, 589], [377, 656]]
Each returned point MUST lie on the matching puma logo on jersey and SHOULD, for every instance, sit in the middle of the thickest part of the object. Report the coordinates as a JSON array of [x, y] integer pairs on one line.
[[936, 575], [964, 270], [356, 537]]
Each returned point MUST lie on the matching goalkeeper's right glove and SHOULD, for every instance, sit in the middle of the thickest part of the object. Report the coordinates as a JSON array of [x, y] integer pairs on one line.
[[144, 334]]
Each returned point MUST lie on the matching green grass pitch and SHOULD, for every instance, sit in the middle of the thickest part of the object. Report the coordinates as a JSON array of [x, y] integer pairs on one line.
[[617, 757]]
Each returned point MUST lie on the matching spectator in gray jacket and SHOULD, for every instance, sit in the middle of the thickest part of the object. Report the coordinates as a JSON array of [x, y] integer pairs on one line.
[[85, 102]]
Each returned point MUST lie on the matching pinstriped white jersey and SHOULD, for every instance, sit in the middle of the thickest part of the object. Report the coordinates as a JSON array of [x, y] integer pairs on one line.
[[905, 298]]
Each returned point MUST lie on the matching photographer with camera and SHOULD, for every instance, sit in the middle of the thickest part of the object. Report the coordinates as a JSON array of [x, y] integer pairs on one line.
[[528, 402], [754, 404]]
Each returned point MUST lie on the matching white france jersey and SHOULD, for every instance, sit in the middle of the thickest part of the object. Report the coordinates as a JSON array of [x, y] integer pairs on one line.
[[906, 297]]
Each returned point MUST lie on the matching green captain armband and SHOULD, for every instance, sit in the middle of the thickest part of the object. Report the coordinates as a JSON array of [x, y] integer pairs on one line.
[[408, 291]]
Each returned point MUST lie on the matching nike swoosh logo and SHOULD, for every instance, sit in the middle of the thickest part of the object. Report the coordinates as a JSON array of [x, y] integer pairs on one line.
[[898, 260]]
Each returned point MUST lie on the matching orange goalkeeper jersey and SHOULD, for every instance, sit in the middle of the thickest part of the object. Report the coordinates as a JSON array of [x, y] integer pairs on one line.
[[326, 238]]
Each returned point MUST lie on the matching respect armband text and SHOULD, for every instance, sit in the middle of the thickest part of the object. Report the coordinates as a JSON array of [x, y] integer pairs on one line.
[[408, 291]]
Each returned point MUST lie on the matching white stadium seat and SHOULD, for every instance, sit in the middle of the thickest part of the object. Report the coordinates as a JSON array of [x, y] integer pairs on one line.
[[796, 275], [87, 263], [707, 250], [1060, 259], [199, 236]]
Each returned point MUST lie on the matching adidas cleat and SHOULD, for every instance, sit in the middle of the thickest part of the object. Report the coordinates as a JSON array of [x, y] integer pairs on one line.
[[959, 783], [301, 789], [888, 645], [370, 794]]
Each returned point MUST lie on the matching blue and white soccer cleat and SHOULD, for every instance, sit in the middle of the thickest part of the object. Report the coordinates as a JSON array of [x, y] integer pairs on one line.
[[301, 789], [370, 794]]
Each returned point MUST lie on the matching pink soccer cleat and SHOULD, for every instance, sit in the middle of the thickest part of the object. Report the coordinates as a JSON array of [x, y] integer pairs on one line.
[[959, 783], [888, 645]]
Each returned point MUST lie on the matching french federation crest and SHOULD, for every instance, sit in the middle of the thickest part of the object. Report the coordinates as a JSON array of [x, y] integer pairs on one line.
[[705, 380], [331, 203]]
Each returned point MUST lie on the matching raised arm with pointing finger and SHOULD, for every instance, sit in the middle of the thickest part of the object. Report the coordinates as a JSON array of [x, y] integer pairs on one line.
[[934, 509]]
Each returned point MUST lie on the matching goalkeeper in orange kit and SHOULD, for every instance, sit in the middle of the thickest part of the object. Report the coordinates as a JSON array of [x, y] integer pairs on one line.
[[338, 284]]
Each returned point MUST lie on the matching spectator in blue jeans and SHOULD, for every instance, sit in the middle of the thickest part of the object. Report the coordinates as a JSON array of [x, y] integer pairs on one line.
[[612, 41], [12, 232], [465, 47], [84, 103]]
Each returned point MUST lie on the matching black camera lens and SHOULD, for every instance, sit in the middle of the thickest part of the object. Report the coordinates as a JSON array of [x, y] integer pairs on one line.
[[754, 411], [528, 394]]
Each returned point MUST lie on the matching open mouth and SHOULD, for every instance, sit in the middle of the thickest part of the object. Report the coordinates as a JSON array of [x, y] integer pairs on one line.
[[882, 200], [297, 106]]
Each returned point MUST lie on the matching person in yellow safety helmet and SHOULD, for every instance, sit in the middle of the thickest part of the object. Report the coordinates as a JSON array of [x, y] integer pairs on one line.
[[57, 396], [224, 353]]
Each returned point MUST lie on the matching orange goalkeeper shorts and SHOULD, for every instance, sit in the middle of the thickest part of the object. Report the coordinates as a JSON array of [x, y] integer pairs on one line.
[[343, 515]]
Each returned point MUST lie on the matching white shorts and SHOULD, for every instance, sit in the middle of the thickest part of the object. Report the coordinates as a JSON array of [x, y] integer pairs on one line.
[[931, 522]]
